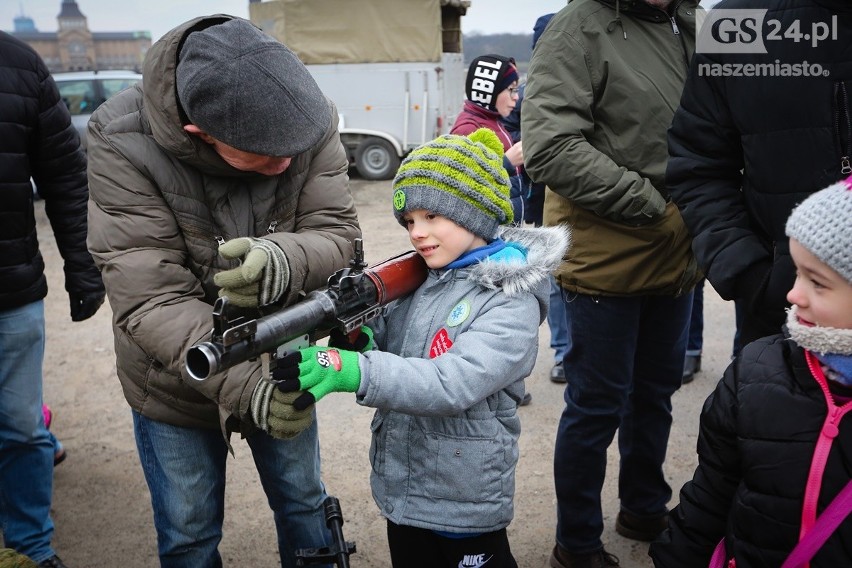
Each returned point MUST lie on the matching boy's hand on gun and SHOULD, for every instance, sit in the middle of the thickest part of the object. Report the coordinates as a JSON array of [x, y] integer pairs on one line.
[[362, 343], [318, 371]]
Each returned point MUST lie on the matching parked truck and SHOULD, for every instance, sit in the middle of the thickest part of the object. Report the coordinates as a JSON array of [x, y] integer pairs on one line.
[[394, 68]]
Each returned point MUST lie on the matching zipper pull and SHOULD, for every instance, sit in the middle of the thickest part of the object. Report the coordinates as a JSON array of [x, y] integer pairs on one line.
[[271, 228], [830, 428], [219, 240], [675, 29], [845, 166]]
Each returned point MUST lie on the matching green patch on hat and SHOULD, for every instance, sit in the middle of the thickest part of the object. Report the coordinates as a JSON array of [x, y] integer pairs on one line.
[[399, 200]]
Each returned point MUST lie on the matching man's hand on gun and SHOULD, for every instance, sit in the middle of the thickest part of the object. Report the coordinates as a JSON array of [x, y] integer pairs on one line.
[[272, 410], [261, 278]]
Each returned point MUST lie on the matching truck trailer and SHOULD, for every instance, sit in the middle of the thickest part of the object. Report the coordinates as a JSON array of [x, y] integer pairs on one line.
[[394, 69]]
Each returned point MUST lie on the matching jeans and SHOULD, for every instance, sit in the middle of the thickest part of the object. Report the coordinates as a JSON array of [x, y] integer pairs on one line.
[[185, 472], [557, 321], [695, 340], [625, 362], [26, 449]]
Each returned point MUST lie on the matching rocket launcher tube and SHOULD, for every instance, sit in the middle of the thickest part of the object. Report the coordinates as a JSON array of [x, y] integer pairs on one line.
[[353, 296]]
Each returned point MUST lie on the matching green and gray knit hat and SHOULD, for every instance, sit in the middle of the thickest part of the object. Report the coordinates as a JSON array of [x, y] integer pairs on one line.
[[822, 223], [461, 178]]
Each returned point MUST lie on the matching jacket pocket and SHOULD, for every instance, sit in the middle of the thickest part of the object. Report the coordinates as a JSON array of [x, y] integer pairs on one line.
[[462, 469], [377, 444]]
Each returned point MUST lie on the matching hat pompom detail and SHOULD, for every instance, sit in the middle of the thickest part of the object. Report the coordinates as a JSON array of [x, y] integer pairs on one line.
[[489, 139]]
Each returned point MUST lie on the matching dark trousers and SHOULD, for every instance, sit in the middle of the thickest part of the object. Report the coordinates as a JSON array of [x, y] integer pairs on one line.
[[695, 339], [413, 547], [625, 362]]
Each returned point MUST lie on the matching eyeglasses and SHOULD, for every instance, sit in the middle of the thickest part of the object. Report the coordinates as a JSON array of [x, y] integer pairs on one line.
[[513, 91]]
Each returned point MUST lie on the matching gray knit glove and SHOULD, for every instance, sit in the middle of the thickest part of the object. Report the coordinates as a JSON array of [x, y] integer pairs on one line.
[[11, 559], [272, 411], [262, 276]]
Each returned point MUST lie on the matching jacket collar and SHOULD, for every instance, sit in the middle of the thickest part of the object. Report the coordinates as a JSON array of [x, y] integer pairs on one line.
[[642, 10], [545, 250], [481, 112]]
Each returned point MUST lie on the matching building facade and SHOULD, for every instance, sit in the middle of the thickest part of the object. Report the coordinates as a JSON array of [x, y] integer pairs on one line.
[[75, 48]]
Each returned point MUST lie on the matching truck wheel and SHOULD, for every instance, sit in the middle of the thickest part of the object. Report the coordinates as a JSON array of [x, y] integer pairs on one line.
[[376, 159]]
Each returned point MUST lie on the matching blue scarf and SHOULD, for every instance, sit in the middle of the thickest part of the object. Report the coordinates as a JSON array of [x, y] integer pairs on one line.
[[840, 364], [498, 250]]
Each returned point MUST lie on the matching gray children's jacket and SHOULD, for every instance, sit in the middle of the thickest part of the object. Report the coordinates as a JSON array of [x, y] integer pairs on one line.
[[447, 383]]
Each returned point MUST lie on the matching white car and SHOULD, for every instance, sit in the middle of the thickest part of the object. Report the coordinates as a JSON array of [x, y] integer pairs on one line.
[[84, 91]]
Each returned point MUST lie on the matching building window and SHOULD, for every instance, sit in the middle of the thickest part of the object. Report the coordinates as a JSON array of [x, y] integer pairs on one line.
[[76, 49]]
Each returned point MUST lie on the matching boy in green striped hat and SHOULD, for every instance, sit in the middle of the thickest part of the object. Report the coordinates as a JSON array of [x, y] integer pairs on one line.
[[446, 366]]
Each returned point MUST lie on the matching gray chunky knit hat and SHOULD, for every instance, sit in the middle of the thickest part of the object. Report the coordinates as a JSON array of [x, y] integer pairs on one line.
[[249, 91], [822, 223]]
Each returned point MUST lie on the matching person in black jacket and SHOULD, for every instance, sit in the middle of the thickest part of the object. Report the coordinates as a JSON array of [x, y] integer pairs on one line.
[[774, 446], [746, 149], [38, 142]]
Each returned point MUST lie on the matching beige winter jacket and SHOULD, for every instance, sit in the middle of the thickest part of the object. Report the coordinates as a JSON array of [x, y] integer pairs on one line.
[[160, 200]]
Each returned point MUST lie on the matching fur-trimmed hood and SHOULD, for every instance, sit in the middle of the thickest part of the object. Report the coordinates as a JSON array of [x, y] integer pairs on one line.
[[546, 248]]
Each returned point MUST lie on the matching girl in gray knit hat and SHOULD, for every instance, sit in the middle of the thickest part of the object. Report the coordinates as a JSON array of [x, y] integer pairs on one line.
[[773, 486]]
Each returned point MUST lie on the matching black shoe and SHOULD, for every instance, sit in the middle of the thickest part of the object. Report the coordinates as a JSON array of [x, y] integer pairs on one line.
[[635, 527], [691, 365], [526, 400], [52, 562], [557, 373], [561, 558]]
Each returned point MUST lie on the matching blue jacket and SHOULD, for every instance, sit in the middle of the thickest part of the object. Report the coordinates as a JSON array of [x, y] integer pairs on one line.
[[447, 383]]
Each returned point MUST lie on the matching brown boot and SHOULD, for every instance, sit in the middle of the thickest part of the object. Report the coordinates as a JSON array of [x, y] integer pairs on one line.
[[561, 558]]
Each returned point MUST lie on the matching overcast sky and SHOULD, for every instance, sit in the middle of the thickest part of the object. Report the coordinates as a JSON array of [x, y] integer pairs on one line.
[[159, 16]]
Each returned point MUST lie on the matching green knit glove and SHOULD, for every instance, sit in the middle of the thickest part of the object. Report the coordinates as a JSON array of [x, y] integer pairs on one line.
[[262, 276], [11, 559], [363, 341], [318, 371], [273, 412]]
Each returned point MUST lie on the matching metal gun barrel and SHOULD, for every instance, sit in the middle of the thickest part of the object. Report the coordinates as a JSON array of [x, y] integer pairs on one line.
[[206, 359]]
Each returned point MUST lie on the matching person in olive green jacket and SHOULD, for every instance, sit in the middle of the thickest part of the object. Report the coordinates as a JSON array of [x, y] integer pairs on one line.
[[222, 175], [604, 81]]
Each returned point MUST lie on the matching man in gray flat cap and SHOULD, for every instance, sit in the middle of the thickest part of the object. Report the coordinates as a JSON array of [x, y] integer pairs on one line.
[[222, 174]]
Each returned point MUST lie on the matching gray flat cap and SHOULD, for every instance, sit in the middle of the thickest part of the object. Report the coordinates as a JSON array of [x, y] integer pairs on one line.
[[248, 90]]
